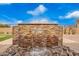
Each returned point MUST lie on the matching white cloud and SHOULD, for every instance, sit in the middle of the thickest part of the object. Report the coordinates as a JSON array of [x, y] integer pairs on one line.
[[74, 14], [38, 19], [43, 20], [39, 10], [19, 21]]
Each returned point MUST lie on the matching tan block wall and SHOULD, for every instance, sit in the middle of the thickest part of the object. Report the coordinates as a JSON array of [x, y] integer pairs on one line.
[[77, 30], [69, 30], [6, 31], [72, 30], [41, 35]]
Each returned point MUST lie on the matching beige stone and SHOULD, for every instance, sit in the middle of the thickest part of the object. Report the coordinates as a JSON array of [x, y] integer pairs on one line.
[[37, 35]]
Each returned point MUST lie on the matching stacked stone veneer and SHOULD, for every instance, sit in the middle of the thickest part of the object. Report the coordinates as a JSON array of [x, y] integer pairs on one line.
[[37, 35]]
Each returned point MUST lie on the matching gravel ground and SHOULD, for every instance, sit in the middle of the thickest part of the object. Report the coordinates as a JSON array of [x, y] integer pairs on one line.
[[39, 51]]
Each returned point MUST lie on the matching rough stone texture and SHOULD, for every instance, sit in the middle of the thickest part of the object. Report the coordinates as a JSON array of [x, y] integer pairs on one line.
[[41, 35], [39, 51], [15, 35]]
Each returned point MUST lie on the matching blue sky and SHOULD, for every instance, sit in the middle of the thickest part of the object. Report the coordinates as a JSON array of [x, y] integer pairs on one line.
[[61, 13]]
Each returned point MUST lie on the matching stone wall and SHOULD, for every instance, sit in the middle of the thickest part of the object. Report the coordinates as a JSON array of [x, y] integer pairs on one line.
[[37, 35]]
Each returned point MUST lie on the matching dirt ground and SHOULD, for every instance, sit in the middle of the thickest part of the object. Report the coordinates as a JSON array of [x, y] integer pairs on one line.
[[5, 44], [72, 41]]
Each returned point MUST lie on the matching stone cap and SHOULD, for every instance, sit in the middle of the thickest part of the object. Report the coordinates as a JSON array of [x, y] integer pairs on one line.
[[37, 24]]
